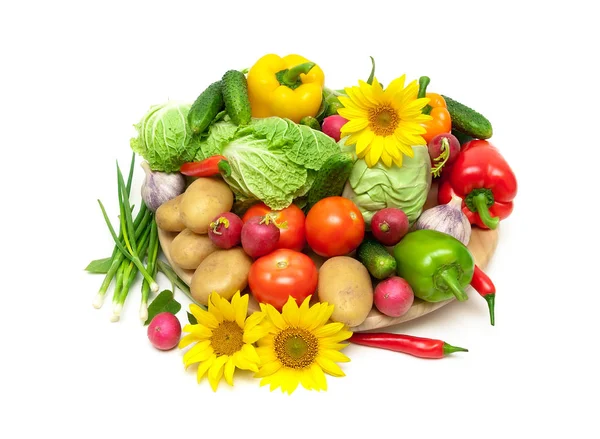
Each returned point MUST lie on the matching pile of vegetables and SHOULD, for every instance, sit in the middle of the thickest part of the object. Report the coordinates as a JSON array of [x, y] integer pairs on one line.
[[262, 193]]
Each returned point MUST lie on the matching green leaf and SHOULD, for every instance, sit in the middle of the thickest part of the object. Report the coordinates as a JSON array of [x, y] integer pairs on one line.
[[164, 302], [192, 319], [99, 266]]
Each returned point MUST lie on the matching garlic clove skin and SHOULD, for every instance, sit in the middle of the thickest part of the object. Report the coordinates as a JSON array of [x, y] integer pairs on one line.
[[160, 187], [447, 218]]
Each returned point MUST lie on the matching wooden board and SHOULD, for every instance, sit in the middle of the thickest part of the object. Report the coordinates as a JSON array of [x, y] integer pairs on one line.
[[482, 246]]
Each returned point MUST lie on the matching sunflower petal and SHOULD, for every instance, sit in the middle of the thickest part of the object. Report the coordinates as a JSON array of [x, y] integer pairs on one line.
[[249, 352], [375, 151], [329, 366], [275, 317], [228, 371], [254, 319], [307, 381], [353, 113], [386, 158], [358, 99], [200, 352], [339, 336], [354, 125], [304, 307], [215, 373], [329, 329], [204, 366], [255, 334], [395, 86], [213, 309], [291, 313], [318, 377], [204, 317], [187, 340], [266, 354], [268, 369], [240, 307], [334, 355], [367, 91], [364, 141], [199, 331]]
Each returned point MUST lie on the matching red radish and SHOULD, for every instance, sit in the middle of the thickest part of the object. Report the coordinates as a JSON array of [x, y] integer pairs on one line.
[[443, 150], [393, 296], [164, 331], [260, 236], [225, 231], [332, 125], [389, 225]]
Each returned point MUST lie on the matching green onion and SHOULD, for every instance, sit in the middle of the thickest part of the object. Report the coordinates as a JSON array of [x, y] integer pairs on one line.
[[152, 269], [129, 276], [166, 269]]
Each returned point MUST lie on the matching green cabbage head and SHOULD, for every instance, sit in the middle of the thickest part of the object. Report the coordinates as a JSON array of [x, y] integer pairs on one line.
[[406, 187], [164, 138]]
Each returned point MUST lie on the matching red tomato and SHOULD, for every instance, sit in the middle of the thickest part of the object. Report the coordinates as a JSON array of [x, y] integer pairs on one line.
[[280, 274], [334, 227], [293, 235]]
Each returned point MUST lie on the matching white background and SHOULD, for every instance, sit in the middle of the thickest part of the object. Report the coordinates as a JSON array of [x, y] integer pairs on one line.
[[76, 76]]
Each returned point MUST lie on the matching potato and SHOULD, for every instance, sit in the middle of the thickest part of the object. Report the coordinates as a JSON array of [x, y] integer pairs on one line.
[[346, 284], [223, 271], [168, 217], [202, 201], [189, 249]]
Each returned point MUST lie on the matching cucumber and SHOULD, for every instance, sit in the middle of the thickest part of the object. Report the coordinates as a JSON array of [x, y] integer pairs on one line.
[[205, 108], [331, 178], [235, 95], [468, 121], [373, 255]]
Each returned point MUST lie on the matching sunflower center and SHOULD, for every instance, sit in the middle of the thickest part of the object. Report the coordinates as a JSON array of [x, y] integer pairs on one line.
[[227, 338], [296, 348], [383, 120]]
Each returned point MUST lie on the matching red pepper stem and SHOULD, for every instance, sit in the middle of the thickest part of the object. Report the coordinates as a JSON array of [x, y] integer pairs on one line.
[[448, 349], [224, 168], [452, 283], [291, 77], [480, 202], [491, 301]]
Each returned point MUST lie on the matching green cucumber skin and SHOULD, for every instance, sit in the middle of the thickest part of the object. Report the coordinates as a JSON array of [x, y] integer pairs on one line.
[[468, 121], [205, 108], [331, 178], [373, 255], [235, 95]]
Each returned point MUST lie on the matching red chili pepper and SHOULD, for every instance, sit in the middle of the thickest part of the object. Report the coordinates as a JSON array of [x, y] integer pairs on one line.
[[407, 344], [214, 165], [484, 181], [486, 289]]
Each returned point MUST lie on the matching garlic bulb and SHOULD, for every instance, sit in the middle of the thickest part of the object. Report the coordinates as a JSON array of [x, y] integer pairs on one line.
[[160, 187], [447, 218]]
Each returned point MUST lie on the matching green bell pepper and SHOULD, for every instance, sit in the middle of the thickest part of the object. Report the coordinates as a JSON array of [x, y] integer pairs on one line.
[[436, 265]]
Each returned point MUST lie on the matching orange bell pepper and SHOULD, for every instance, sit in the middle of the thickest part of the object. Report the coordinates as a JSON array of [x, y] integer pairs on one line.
[[437, 109]]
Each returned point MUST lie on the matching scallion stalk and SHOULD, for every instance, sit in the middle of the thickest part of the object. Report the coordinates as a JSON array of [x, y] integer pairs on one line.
[[152, 269]]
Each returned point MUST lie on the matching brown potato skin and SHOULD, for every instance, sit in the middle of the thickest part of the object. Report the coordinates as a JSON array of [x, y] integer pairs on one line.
[[224, 272], [202, 201], [168, 217], [346, 284], [189, 249]]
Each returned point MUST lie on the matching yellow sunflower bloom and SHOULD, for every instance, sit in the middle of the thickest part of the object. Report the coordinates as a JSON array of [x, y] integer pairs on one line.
[[224, 338], [300, 346], [383, 124]]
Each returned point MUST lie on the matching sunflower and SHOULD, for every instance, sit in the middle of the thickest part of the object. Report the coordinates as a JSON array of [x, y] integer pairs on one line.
[[224, 338], [383, 124], [300, 346]]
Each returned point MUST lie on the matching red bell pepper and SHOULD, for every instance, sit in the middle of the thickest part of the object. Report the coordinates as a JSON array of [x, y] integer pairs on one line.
[[484, 181]]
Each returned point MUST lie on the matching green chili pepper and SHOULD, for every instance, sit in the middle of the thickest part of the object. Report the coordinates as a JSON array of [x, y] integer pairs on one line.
[[436, 265]]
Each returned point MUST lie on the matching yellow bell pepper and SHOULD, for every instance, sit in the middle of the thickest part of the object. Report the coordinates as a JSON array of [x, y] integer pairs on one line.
[[290, 87]]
